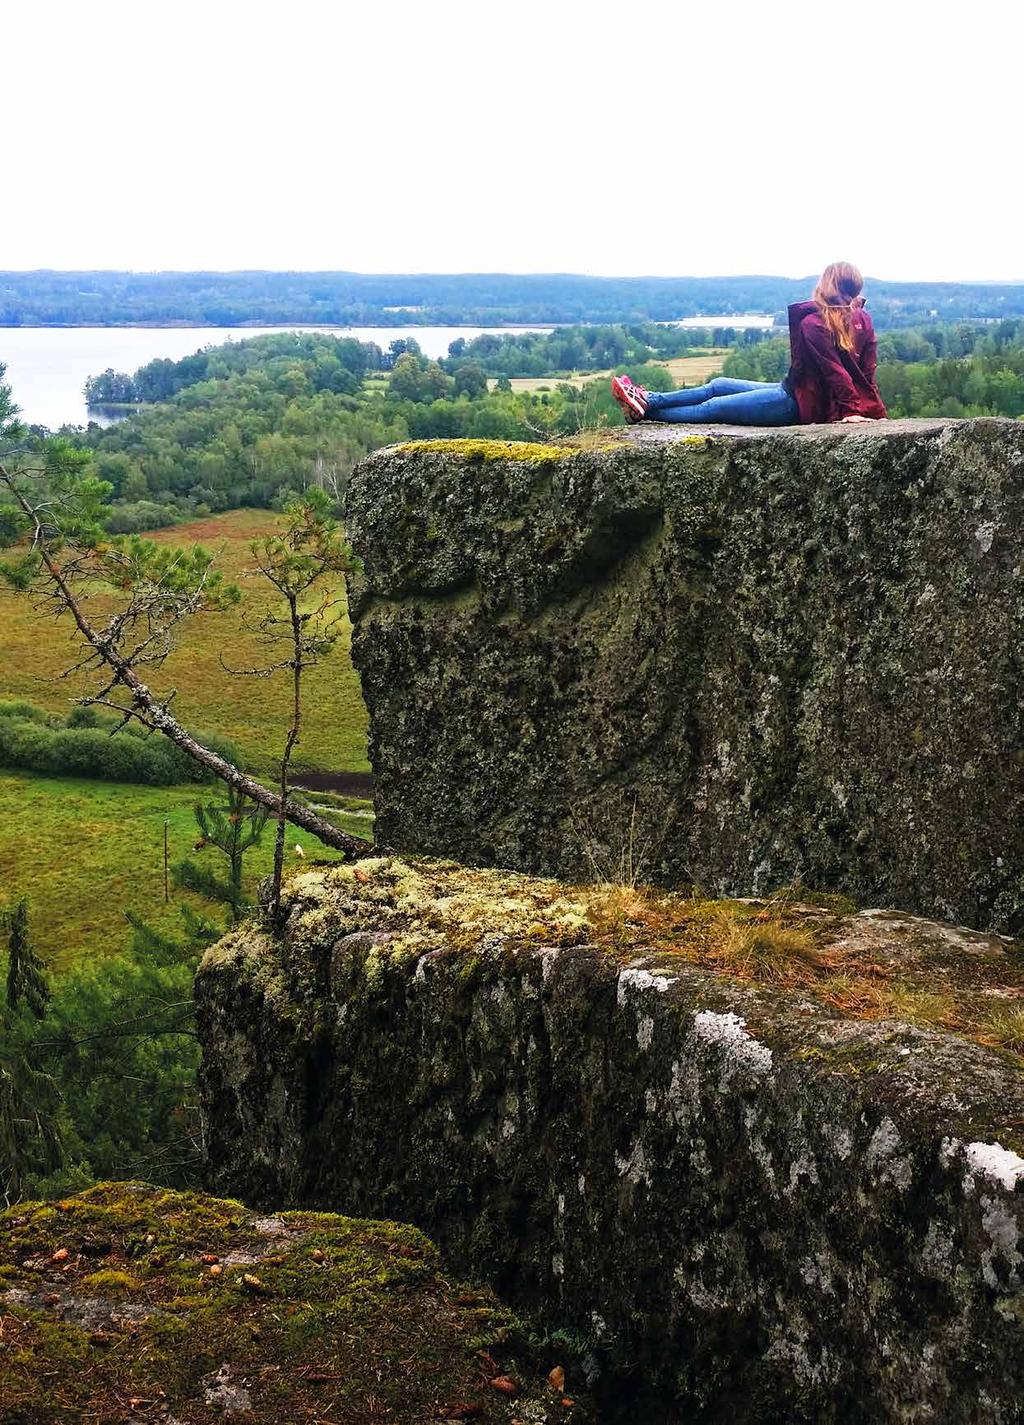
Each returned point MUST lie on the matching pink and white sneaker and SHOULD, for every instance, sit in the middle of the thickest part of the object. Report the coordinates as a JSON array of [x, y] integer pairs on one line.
[[632, 398]]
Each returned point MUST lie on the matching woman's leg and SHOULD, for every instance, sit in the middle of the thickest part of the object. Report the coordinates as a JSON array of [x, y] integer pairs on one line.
[[695, 395], [758, 404]]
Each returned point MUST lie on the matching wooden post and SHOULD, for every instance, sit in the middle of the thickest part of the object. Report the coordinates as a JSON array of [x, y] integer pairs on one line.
[[167, 892]]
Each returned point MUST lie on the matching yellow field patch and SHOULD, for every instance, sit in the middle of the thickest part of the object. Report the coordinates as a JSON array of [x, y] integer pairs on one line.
[[685, 370]]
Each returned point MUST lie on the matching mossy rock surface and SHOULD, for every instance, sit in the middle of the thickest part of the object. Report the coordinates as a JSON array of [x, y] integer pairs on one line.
[[751, 656], [696, 1137], [139, 1306]]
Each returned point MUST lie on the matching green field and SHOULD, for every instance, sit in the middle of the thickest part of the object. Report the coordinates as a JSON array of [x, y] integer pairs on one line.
[[252, 712], [84, 851]]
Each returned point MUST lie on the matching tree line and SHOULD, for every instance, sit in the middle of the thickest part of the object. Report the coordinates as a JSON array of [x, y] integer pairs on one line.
[[251, 423], [358, 299], [336, 364], [590, 348]]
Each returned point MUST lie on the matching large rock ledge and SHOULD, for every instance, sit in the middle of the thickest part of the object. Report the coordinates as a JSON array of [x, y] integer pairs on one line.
[[765, 654], [739, 1204]]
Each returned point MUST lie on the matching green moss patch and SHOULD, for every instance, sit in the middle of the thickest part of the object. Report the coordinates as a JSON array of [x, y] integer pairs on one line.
[[128, 1302]]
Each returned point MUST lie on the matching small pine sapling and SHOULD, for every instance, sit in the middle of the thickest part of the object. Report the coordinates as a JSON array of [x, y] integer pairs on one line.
[[26, 974], [303, 564], [232, 830]]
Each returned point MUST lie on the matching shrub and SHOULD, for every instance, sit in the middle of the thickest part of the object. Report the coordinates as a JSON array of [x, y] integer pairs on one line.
[[140, 516], [87, 746], [24, 712]]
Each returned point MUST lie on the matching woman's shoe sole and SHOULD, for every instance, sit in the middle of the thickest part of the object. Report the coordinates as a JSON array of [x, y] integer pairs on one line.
[[631, 408]]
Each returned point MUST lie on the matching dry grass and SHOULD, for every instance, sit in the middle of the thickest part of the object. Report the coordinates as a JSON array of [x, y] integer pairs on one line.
[[615, 852], [694, 370], [766, 951], [1004, 1028], [785, 943], [253, 713]]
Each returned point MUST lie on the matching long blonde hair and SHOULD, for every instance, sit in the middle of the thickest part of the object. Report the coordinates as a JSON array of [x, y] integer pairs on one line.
[[836, 295]]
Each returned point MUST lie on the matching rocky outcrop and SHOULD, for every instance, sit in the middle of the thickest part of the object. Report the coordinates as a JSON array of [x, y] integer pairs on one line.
[[738, 658], [715, 1145]]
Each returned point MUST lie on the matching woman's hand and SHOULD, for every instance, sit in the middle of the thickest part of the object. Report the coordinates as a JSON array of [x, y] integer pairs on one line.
[[856, 420]]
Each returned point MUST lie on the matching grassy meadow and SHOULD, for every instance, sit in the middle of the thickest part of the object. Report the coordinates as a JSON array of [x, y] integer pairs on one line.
[[83, 850]]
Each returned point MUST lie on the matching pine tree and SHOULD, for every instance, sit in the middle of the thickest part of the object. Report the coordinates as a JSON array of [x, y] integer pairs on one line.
[[31, 1117], [302, 564], [232, 830], [129, 1020]]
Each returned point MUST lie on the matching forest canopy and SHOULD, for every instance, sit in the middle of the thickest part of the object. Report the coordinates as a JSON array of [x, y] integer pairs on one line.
[[249, 423]]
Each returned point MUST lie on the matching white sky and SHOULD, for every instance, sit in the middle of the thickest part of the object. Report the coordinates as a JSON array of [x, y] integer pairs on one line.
[[515, 135]]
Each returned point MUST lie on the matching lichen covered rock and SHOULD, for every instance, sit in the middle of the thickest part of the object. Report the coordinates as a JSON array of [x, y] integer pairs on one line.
[[745, 658], [138, 1306], [661, 1126]]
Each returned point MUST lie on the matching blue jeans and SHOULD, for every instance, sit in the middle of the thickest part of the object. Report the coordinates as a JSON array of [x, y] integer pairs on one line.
[[726, 402]]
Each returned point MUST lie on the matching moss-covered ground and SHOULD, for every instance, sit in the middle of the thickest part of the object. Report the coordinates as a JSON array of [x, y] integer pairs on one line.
[[133, 1304], [489, 451]]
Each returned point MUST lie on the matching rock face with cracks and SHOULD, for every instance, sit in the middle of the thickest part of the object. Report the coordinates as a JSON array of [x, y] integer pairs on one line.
[[737, 657], [737, 1203]]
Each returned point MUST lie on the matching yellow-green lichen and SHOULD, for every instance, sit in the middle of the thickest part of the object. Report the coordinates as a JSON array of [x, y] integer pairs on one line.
[[796, 939], [489, 451]]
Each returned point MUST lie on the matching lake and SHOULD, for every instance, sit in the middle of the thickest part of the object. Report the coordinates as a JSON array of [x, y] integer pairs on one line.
[[47, 366]]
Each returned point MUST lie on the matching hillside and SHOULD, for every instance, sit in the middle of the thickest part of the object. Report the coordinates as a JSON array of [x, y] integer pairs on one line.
[[99, 845]]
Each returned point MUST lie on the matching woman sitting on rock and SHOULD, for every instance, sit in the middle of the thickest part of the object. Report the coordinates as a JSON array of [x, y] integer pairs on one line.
[[833, 355]]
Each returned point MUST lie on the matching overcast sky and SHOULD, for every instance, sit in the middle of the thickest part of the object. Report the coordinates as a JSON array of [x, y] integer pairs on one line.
[[512, 135]]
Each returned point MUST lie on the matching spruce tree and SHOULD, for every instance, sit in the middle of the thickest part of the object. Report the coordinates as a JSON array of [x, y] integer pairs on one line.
[[31, 1111], [26, 974]]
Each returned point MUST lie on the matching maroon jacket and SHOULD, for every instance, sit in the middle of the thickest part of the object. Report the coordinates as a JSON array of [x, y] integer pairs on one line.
[[826, 382]]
